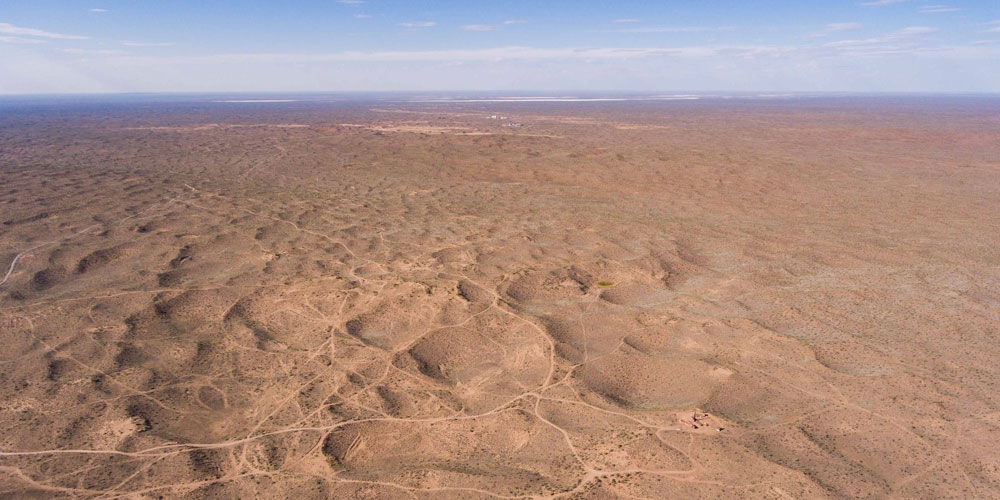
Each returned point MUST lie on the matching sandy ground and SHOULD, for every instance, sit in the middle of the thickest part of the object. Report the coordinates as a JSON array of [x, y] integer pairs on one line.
[[790, 299]]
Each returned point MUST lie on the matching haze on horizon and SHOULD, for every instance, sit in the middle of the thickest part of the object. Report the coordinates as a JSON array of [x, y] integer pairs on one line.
[[59, 46]]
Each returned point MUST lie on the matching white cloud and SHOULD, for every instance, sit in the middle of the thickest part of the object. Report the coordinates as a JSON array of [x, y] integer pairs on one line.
[[626, 20], [913, 31], [908, 32], [907, 40], [515, 21], [147, 44], [832, 28], [362, 16], [17, 39], [802, 67], [94, 52], [672, 29], [879, 3], [477, 27], [938, 9], [423, 24], [511, 53], [10, 29], [838, 27], [98, 10]]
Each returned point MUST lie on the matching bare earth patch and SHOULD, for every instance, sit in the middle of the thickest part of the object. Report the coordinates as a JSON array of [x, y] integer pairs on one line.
[[704, 299]]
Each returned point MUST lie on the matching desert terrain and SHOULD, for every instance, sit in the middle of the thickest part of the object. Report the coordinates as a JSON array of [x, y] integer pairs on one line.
[[382, 298]]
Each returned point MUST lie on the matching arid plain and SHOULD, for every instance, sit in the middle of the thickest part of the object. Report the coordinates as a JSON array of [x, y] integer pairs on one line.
[[742, 298]]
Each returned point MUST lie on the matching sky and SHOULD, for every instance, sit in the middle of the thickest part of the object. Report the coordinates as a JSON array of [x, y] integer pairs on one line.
[[102, 46]]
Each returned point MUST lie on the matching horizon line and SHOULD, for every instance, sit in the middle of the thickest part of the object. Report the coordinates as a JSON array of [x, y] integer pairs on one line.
[[539, 92]]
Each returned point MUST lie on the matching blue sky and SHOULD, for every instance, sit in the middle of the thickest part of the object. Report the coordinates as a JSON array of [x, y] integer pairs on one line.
[[77, 46]]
